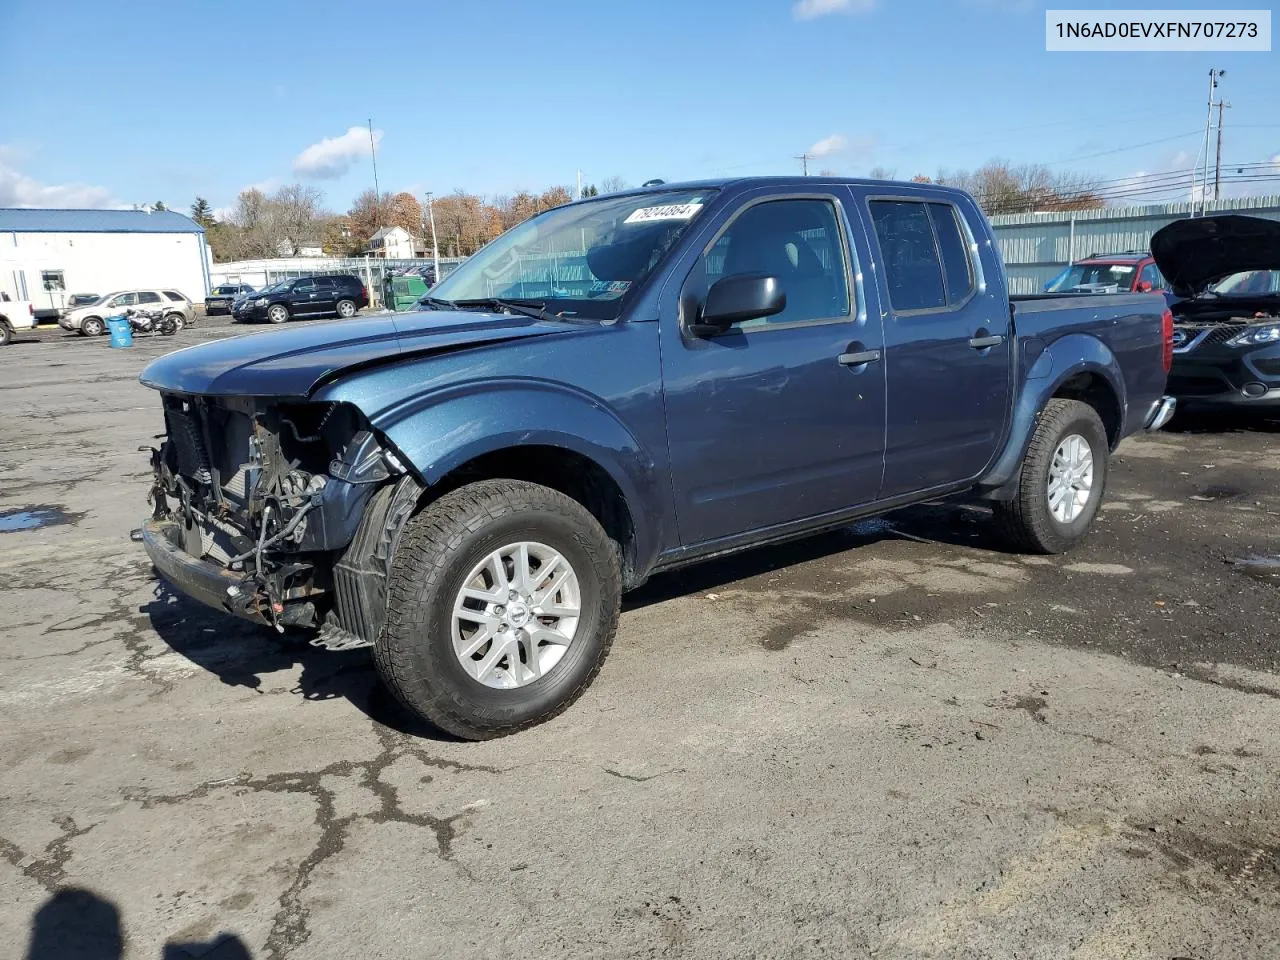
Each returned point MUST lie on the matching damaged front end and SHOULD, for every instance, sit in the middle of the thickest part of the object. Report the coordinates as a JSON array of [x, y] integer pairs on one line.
[[281, 513]]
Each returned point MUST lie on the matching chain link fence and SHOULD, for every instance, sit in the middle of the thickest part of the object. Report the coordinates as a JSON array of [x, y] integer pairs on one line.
[[372, 270]]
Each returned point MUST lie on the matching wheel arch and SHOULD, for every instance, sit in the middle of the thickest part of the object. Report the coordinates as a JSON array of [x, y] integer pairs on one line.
[[536, 431], [1075, 367]]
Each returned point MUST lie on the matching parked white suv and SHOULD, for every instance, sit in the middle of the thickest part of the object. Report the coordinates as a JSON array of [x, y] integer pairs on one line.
[[91, 319], [14, 315]]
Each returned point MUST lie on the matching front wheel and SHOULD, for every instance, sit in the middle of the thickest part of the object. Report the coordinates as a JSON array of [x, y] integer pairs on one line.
[[1063, 477], [92, 327], [277, 313], [346, 309], [502, 606]]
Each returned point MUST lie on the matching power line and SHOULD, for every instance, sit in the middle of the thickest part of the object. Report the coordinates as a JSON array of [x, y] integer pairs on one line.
[[804, 158]]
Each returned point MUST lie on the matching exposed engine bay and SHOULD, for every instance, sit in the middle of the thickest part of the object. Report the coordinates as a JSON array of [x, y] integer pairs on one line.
[[1208, 321], [299, 504]]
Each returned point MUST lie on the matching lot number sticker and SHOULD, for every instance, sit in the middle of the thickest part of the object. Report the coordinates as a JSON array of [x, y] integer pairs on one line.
[[669, 211]]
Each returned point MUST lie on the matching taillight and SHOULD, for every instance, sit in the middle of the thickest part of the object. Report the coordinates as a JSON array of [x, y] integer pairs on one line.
[[31, 309], [1166, 330]]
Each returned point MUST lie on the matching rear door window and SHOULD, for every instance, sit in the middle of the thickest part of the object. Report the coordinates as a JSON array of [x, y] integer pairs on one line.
[[957, 271], [912, 267]]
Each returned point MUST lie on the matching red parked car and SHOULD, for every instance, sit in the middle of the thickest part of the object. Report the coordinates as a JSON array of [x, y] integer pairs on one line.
[[1133, 271]]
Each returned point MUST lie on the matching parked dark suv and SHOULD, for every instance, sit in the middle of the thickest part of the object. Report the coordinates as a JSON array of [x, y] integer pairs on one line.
[[339, 296]]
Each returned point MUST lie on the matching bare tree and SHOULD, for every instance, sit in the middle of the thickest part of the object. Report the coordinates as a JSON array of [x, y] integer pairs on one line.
[[613, 184]]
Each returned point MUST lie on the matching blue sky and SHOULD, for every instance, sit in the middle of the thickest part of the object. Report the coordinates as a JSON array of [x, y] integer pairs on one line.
[[124, 103]]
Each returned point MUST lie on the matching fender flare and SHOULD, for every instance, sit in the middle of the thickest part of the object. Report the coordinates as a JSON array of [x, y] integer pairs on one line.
[[438, 432], [1063, 359]]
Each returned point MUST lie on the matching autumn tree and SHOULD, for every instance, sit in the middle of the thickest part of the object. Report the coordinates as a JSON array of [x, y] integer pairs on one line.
[[1001, 188], [404, 210]]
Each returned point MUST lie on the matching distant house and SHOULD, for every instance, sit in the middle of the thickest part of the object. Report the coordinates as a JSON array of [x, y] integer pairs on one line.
[[393, 243], [300, 248]]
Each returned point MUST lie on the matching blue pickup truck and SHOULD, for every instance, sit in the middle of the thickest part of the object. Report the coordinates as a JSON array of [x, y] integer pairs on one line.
[[618, 387]]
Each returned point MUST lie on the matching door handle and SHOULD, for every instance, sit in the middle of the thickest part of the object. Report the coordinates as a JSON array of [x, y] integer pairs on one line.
[[862, 356], [981, 343]]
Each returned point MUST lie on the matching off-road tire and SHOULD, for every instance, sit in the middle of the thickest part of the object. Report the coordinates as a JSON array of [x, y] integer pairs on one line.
[[277, 313], [349, 306], [92, 327], [1026, 522], [414, 652]]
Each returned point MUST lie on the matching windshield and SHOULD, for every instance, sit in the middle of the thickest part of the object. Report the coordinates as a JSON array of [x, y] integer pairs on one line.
[[276, 287], [1118, 275], [581, 259], [227, 290], [1252, 283]]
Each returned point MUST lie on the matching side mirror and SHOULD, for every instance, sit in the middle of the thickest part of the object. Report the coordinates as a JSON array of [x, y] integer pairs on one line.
[[1144, 286], [743, 296]]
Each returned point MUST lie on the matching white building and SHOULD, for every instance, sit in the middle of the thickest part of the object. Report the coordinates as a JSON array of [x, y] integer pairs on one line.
[[300, 248], [47, 255], [394, 243]]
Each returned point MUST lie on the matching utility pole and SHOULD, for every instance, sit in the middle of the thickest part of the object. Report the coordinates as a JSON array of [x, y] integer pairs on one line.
[[578, 194], [435, 249], [1217, 166], [804, 159], [377, 194], [1214, 75]]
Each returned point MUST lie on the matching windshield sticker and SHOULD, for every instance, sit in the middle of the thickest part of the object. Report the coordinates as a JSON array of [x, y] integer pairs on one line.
[[610, 286], [1116, 268], [668, 211]]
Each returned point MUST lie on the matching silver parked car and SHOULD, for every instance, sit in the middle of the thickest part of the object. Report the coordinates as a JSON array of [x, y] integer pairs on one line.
[[90, 320]]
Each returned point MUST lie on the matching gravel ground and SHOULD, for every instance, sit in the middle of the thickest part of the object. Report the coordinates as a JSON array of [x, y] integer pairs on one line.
[[891, 741]]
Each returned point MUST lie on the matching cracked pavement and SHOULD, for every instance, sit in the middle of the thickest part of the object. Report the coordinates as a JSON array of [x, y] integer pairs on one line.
[[891, 741]]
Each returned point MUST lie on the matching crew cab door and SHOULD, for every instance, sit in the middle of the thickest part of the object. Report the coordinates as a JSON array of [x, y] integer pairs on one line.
[[947, 333], [778, 418]]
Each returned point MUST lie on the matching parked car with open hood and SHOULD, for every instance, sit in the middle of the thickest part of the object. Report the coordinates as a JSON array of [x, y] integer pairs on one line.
[[91, 320], [1224, 273], [621, 386]]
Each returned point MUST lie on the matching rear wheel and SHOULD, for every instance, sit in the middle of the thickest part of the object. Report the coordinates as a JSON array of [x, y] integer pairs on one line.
[[1063, 477], [502, 605], [6, 335], [178, 321], [277, 313], [346, 309], [92, 327]]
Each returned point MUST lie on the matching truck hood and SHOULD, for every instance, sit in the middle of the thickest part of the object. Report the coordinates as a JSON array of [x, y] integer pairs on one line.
[[1194, 253], [293, 361]]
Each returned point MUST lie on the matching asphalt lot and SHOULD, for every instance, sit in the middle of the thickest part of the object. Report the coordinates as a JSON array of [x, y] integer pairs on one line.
[[892, 741]]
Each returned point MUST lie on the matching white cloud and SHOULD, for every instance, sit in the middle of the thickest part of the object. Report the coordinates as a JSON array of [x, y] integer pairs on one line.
[[334, 156], [810, 9], [829, 145], [19, 190]]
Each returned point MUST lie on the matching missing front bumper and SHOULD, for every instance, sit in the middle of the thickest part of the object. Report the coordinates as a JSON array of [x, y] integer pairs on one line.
[[212, 585]]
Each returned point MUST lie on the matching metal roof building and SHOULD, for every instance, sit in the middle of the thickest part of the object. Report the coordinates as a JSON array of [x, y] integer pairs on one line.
[[46, 255]]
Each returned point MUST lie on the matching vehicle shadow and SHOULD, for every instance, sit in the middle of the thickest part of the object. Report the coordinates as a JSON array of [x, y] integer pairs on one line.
[[1201, 421], [241, 654], [952, 524], [78, 924]]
